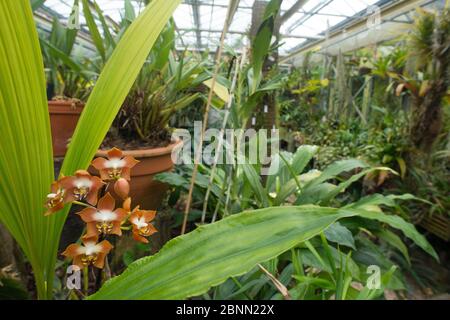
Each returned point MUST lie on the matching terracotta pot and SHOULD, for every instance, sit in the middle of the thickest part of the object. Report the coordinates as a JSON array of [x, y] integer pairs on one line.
[[64, 116], [145, 191]]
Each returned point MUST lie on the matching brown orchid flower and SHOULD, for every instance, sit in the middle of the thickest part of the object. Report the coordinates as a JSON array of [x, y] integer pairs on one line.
[[103, 219], [90, 253], [140, 221], [81, 187], [116, 166], [55, 199]]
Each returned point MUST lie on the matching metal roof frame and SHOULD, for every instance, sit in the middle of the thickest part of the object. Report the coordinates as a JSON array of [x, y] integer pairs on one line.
[[199, 32]]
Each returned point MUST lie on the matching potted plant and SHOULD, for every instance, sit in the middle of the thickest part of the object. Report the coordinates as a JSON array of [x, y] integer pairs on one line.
[[68, 82], [166, 84]]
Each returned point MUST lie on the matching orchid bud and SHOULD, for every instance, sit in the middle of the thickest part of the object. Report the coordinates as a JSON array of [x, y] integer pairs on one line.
[[122, 188]]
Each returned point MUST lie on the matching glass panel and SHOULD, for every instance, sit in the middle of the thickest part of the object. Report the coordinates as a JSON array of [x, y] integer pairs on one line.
[[310, 21]]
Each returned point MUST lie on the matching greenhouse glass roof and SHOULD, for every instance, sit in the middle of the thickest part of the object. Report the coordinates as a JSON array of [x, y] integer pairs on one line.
[[199, 22]]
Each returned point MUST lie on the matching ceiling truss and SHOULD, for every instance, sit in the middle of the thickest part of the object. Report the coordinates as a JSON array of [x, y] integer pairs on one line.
[[296, 18]]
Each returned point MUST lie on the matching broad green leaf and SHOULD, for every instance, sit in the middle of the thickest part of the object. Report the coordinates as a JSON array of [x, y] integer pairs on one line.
[[336, 168], [299, 161], [220, 90], [261, 43], [395, 241], [26, 160], [189, 265], [341, 235], [255, 183], [314, 194], [344, 185], [398, 223], [302, 157], [375, 200]]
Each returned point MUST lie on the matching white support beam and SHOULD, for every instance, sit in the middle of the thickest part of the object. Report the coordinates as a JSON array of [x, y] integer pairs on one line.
[[196, 16]]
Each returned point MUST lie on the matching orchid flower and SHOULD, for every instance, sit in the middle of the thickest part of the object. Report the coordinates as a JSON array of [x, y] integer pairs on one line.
[[55, 199], [90, 253], [116, 166], [103, 219], [81, 187], [140, 221]]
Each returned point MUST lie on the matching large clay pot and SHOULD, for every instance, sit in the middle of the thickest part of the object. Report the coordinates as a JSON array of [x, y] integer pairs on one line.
[[64, 116], [145, 191]]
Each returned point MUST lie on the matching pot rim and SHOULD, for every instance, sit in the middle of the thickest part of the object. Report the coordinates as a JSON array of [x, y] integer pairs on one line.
[[145, 153], [64, 107]]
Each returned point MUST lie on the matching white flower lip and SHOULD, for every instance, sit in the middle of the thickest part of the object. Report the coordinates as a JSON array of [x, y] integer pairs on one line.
[[82, 183], [140, 223], [114, 163], [105, 216], [89, 249]]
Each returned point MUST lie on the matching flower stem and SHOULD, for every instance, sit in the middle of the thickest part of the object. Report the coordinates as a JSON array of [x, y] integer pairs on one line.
[[86, 280], [82, 204]]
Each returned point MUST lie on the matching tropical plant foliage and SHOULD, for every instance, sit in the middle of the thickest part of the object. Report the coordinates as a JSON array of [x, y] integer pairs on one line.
[[68, 69], [312, 229], [26, 156]]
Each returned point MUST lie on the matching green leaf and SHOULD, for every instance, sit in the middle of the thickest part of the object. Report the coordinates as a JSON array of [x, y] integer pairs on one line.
[[262, 41], [339, 234], [398, 223], [255, 183], [369, 294], [130, 15], [344, 185], [395, 241], [299, 161], [109, 40], [65, 58], [189, 265], [71, 33], [26, 160], [309, 258], [379, 199], [162, 51], [93, 29], [36, 4], [336, 168], [220, 90], [302, 157]]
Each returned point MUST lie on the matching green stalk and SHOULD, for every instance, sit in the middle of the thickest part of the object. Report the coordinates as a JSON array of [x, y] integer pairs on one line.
[[86, 280]]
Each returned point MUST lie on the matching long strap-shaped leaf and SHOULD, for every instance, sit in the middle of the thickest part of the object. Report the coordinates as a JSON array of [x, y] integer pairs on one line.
[[111, 89], [26, 166], [115, 82], [190, 264], [25, 145]]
